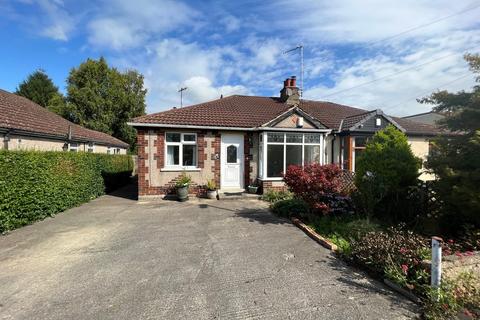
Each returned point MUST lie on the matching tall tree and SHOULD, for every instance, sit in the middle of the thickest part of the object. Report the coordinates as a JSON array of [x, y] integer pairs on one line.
[[39, 88], [456, 158], [104, 99]]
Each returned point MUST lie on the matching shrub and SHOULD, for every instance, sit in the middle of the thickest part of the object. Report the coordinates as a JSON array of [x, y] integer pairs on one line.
[[290, 207], [458, 295], [183, 181], [34, 185], [316, 184], [376, 249], [211, 185], [384, 172], [273, 196]]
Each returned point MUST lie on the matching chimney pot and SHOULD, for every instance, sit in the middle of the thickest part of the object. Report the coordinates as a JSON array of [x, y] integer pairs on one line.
[[293, 81], [286, 83]]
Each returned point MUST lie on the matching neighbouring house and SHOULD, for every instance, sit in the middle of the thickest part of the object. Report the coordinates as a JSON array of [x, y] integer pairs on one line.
[[430, 118], [243, 140], [25, 125]]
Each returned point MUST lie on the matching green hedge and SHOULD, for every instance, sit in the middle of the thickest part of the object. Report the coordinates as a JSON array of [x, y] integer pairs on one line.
[[34, 185]]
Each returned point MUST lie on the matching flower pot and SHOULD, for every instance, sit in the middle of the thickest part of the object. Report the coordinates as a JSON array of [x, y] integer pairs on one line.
[[182, 193], [252, 189], [211, 194]]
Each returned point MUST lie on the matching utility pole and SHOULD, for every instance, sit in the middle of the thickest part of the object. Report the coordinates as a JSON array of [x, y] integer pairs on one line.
[[181, 95], [300, 48]]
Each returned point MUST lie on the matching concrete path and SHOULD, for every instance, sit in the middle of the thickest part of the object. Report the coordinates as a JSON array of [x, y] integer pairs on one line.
[[116, 258]]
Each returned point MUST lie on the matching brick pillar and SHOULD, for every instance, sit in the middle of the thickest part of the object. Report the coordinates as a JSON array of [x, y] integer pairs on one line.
[[201, 149], [160, 145], [216, 162], [142, 157], [246, 151]]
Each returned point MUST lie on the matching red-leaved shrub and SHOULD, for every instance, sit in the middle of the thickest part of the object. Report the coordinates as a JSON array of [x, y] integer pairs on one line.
[[314, 184]]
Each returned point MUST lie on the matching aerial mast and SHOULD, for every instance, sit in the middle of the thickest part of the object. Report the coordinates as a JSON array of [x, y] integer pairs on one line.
[[181, 95], [299, 48]]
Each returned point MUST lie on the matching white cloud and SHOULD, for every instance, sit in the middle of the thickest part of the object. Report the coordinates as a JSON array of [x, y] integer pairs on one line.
[[54, 21], [396, 94], [231, 23], [201, 89], [360, 21], [123, 24], [115, 34]]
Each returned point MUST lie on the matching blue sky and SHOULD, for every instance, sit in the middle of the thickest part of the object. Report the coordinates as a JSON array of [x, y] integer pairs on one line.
[[236, 47]]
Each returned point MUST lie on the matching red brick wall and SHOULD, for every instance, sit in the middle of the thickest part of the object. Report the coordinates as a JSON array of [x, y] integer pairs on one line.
[[268, 185], [144, 186], [216, 164]]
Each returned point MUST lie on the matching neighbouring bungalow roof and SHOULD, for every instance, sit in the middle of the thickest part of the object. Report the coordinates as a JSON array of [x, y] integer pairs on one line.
[[238, 111], [22, 116]]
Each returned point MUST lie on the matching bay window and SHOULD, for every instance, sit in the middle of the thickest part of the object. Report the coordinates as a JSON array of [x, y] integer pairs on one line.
[[181, 149], [278, 150]]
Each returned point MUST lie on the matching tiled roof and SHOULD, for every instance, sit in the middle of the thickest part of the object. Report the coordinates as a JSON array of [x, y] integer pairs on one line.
[[253, 111], [350, 121], [232, 111], [19, 113]]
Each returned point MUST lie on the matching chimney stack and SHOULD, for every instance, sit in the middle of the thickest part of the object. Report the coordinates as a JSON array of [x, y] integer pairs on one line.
[[290, 93]]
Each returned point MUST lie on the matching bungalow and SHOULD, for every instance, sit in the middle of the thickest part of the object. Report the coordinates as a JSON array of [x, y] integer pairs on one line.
[[242, 140], [25, 125]]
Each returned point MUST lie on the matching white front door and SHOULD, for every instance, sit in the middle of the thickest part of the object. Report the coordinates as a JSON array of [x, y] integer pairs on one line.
[[232, 161]]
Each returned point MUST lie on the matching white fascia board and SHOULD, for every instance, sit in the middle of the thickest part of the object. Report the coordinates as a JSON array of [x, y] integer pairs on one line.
[[155, 125]]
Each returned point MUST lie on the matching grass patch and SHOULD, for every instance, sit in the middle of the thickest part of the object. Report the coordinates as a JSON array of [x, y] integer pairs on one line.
[[342, 230]]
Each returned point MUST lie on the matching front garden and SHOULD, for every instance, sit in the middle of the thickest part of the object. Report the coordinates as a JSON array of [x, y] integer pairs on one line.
[[386, 223]]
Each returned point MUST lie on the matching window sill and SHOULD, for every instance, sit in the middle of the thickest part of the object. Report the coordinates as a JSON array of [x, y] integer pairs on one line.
[[271, 179], [180, 169]]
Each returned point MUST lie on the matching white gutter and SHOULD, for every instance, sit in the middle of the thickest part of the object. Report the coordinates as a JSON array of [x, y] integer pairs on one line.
[[292, 129], [157, 125]]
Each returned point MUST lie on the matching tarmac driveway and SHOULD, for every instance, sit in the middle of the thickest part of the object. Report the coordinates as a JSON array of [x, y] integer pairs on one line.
[[116, 258]]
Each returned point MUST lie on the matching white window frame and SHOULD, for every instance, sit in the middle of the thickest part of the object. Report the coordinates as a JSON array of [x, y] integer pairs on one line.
[[73, 147], [180, 150], [263, 147], [91, 146]]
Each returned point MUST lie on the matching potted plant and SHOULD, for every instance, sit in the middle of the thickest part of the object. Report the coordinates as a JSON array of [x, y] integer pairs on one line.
[[211, 189], [252, 189], [182, 185]]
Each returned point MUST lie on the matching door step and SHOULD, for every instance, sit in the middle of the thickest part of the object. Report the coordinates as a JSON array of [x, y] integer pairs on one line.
[[235, 195]]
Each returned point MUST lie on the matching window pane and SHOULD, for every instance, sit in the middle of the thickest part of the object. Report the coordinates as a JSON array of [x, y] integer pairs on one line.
[[275, 137], [188, 137], [231, 154], [360, 141], [173, 137], [173, 155], [294, 155], [312, 154], [358, 153], [312, 138], [274, 160], [189, 155], [294, 137]]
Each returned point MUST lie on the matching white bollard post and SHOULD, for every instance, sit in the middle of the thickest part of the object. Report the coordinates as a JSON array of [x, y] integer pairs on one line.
[[436, 262]]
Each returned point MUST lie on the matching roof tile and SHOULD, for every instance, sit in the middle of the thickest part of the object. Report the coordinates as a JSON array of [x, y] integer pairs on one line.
[[19, 113]]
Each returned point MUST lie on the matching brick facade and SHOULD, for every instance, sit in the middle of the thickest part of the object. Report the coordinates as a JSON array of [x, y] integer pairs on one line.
[[152, 181]]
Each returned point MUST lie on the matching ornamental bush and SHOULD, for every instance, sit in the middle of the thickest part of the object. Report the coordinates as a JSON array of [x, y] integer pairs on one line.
[[317, 185], [384, 173], [35, 185]]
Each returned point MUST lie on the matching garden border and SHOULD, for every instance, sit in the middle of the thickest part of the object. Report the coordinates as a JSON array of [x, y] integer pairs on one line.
[[315, 236]]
